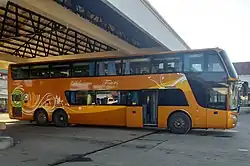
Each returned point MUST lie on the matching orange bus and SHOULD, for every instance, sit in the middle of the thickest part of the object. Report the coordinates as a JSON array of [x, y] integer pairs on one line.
[[174, 90]]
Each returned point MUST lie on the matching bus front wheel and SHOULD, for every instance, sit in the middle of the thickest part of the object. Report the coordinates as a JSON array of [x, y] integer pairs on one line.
[[41, 117], [60, 118], [179, 123]]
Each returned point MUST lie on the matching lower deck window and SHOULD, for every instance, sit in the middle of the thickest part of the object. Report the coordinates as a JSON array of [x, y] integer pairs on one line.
[[217, 98], [102, 97], [172, 97], [169, 97], [80, 97]]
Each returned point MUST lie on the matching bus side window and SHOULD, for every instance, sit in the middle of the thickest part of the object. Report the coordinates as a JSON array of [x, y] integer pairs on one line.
[[80, 97], [20, 72], [214, 63], [108, 68], [217, 98], [172, 97], [194, 62], [60, 70], [39, 71], [136, 66], [82, 69], [133, 98], [163, 64]]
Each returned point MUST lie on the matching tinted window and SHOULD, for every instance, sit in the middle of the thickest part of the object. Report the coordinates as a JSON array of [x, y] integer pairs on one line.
[[133, 98], [194, 62], [108, 68], [60, 70], [80, 97], [166, 64], [83, 69], [110, 97], [214, 63], [136, 66], [172, 97], [21, 72], [217, 98], [229, 65], [39, 71]]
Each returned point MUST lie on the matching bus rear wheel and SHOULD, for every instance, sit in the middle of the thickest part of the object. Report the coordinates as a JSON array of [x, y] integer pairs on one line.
[[60, 118], [179, 123], [41, 117]]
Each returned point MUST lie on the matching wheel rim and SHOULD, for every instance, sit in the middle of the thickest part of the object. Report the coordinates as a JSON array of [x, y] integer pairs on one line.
[[61, 119], [42, 118], [179, 123]]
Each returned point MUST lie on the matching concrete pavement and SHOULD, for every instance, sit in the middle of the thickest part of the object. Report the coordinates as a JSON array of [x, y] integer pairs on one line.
[[42, 146]]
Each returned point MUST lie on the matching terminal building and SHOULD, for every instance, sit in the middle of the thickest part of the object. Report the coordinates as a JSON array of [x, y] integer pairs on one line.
[[31, 29]]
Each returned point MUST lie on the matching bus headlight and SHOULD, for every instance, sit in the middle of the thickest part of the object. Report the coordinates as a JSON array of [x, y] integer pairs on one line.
[[234, 117]]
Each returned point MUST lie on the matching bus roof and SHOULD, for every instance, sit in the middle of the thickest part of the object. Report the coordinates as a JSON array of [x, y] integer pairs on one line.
[[103, 55]]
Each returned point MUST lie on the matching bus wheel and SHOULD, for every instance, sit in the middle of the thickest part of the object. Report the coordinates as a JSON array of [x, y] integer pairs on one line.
[[41, 117], [60, 118], [179, 123]]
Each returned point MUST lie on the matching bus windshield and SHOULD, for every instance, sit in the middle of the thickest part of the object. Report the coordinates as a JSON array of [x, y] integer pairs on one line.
[[231, 70]]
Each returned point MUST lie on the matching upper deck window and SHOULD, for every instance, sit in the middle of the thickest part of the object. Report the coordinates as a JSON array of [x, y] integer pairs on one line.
[[214, 63], [166, 64], [194, 62], [60, 70], [83, 69], [39, 71], [108, 68], [136, 66], [20, 72]]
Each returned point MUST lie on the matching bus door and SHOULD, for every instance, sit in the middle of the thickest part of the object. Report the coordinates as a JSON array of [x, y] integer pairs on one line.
[[217, 108], [149, 101]]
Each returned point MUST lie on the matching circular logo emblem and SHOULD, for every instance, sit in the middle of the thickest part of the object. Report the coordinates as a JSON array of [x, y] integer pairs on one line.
[[17, 98]]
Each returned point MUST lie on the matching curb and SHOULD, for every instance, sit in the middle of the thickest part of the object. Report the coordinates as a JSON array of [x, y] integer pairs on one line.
[[6, 142], [2, 126]]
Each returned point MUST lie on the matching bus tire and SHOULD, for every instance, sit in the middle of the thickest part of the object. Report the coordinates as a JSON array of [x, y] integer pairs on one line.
[[60, 118], [179, 123], [41, 117]]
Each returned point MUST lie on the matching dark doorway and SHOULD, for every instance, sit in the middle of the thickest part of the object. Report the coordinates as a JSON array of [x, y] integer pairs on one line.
[[149, 100]]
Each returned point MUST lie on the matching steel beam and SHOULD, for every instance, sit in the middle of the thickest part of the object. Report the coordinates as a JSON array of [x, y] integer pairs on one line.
[[70, 19], [31, 35]]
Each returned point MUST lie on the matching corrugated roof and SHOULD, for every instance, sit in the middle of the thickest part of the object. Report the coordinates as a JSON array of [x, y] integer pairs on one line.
[[242, 68]]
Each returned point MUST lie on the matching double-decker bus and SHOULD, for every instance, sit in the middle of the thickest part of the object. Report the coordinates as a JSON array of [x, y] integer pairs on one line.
[[177, 90]]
